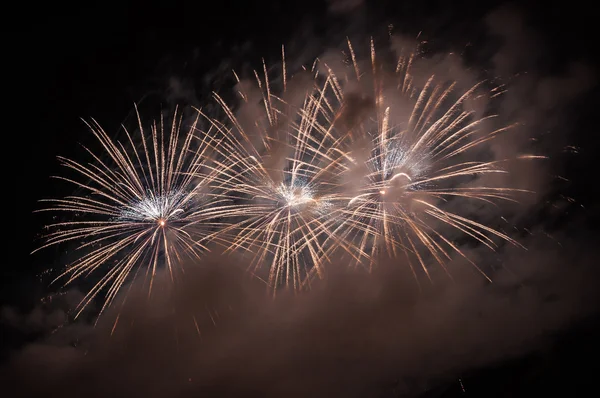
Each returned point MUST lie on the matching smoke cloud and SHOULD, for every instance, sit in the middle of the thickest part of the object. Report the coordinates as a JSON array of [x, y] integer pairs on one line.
[[347, 337]]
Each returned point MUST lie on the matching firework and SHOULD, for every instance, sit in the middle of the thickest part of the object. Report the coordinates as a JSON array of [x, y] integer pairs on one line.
[[414, 150], [145, 205], [281, 171]]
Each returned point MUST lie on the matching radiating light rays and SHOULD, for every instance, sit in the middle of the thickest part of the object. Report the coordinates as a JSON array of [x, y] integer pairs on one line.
[[146, 204], [417, 150], [283, 178]]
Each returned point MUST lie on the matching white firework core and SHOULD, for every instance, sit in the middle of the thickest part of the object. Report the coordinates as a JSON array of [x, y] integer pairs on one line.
[[161, 208], [294, 196]]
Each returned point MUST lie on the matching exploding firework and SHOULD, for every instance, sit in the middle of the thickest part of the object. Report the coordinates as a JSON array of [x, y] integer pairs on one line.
[[281, 171], [145, 203], [413, 150]]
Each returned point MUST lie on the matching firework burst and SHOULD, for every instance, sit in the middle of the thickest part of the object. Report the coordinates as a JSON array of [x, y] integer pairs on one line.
[[281, 171], [145, 202], [413, 151]]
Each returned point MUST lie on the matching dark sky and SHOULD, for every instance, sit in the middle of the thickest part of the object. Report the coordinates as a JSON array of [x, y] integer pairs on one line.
[[71, 61]]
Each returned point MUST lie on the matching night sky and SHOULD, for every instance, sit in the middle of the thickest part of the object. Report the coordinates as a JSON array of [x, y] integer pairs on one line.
[[533, 334]]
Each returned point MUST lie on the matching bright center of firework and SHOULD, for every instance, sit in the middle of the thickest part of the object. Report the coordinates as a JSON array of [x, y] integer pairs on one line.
[[296, 196], [156, 208]]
